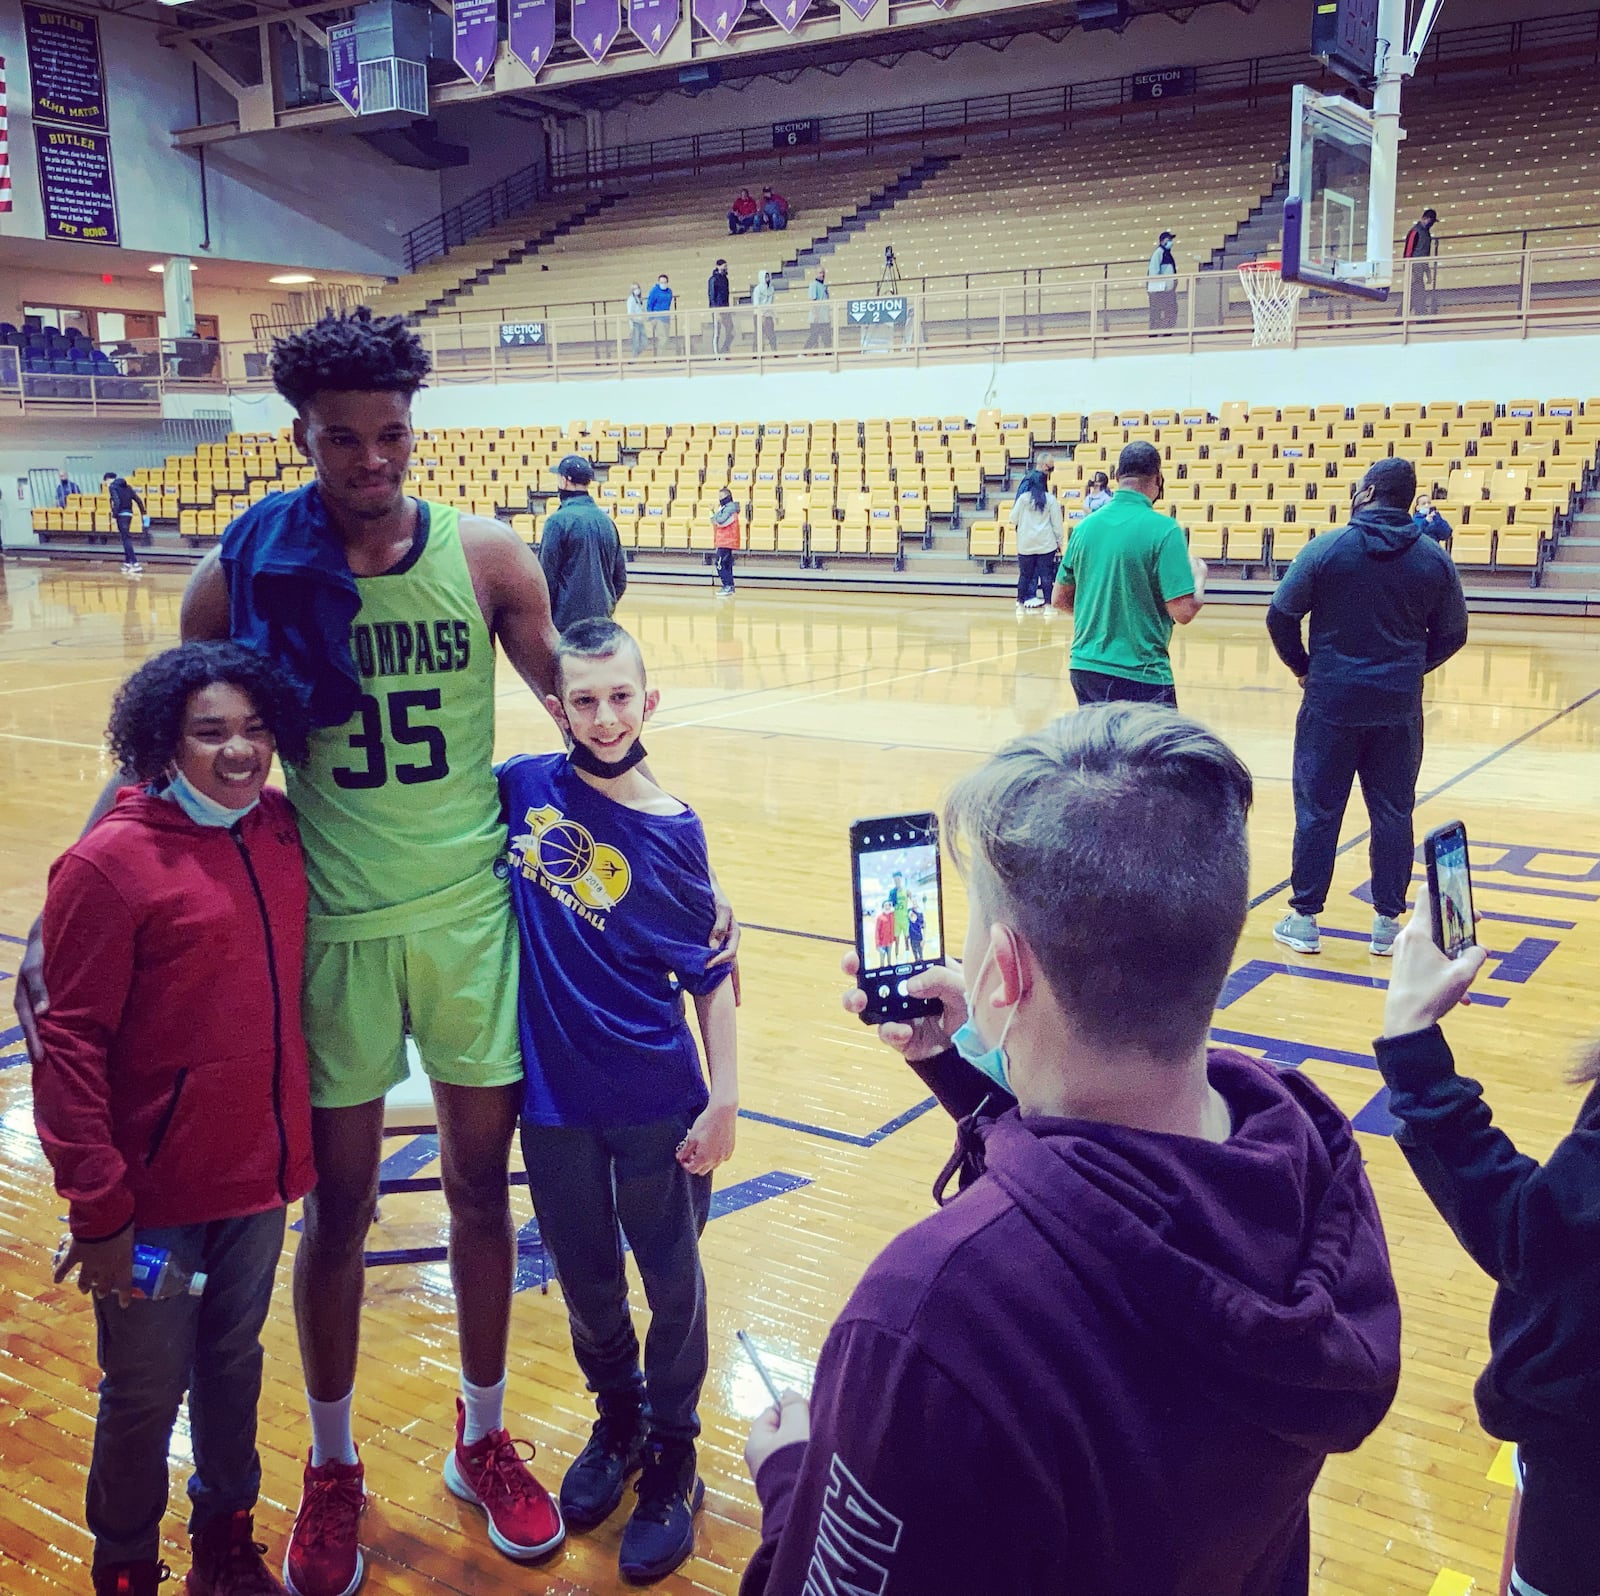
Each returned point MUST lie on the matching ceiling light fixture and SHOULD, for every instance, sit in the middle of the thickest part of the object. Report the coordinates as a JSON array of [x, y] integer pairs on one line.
[[160, 266], [290, 279]]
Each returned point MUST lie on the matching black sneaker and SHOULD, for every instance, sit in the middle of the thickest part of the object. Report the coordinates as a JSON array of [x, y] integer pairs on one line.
[[660, 1535], [130, 1579], [593, 1486]]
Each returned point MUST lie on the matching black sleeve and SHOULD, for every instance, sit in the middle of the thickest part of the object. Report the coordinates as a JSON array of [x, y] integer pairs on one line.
[[960, 1089], [552, 550], [619, 563], [1284, 630], [133, 494], [1523, 1224], [1447, 625]]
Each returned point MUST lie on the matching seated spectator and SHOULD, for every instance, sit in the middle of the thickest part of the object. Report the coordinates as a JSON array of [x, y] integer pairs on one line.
[[1533, 1229], [1426, 518], [1099, 492], [65, 488], [744, 214], [774, 210], [1110, 1364]]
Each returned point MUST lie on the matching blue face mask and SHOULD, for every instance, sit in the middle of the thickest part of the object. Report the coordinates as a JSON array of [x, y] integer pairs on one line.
[[203, 811], [989, 1061]]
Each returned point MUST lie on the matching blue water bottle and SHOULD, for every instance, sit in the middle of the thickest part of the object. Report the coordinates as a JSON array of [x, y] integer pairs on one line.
[[157, 1275]]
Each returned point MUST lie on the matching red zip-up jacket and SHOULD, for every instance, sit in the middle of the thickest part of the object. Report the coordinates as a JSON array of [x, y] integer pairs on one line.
[[173, 1087]]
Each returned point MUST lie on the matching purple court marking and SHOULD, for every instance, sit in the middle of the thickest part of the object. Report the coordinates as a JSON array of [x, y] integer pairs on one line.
[[1373, 1117], [1251, 974]]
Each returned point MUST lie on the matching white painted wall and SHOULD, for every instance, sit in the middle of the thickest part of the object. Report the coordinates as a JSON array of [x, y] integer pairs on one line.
[[1487, 369]]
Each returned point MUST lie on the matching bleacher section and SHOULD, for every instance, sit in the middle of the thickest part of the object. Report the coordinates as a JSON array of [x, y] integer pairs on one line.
[[1250, 485], [67, 365]]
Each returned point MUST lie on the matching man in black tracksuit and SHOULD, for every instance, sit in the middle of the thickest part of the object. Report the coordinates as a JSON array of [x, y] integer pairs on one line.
[[123, 498], [1532, 1228], [717, 298], [1386, 607], [580, 552]]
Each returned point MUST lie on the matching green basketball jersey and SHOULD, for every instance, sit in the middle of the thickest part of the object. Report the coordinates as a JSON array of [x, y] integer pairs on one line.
[[399, 808]]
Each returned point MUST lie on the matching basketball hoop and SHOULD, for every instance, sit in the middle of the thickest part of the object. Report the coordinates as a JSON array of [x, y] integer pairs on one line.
[[1273, 302]]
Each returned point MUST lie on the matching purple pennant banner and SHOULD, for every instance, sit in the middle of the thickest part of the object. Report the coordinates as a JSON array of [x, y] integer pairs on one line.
[[595, 26], [788, 14], [344, 70], [477, 34], [720, 17], [531, 33], [653, 22], [864, 8]]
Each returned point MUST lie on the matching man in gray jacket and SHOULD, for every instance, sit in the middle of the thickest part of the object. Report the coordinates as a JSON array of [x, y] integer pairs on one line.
[[580, 551]]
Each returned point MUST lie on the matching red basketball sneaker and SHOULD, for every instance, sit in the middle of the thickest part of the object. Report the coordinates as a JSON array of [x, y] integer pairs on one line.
[[324, 1557], [524, 1521]]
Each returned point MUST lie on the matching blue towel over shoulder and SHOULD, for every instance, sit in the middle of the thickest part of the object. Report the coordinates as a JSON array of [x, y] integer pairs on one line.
[[291, 597]]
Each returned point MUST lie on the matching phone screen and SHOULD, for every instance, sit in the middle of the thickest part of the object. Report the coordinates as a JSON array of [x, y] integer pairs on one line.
[[1451, 875], [899, 910]]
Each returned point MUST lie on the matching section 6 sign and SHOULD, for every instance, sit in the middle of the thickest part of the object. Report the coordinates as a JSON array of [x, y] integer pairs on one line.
[[876, 312], [1163, 84]]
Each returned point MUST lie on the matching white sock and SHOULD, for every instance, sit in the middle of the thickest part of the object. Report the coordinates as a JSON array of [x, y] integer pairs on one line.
[[485, 1405], [331, 1440]]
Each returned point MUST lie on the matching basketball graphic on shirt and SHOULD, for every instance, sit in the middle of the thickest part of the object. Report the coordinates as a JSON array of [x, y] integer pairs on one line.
[[565, 852], [562, 851], [607, 879]]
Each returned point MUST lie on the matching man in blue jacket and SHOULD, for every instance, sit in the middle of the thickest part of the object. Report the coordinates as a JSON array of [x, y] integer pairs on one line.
[[580, 552], [659, 306], [1386, 608]]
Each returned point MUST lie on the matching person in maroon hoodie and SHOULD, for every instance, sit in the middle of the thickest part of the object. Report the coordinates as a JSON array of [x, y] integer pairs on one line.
[[171, 1095], [1114, 1364]]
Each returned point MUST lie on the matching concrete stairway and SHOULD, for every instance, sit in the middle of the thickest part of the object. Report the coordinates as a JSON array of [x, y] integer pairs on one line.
[[1576, 565]]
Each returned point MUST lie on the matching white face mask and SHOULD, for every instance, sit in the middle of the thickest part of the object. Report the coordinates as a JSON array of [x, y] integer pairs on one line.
[[202, 810], [991, 1061]]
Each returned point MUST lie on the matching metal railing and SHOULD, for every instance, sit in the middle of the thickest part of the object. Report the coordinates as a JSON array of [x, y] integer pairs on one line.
[[474, 215]]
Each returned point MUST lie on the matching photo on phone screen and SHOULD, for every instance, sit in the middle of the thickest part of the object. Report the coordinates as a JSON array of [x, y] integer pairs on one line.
[[899, 910], [1450, 877]]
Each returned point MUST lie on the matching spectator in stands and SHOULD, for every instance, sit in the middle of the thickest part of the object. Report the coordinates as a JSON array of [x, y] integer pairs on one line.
[[1386, 608], [717, 297], [1162, 286], [1112, 1312], [725, 535], [774, 210], [1427, 517], [1532, 1228], [65, 488], [1127, 577], [123, 497], [659, 306], [765, 334], [1036, 515], [821, 328], [635, 320], [1099, 493], [580, 552], [1419, 248], [744, 215]]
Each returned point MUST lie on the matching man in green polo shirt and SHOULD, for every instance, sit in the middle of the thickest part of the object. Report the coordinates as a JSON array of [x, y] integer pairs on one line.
[[1126, 576]]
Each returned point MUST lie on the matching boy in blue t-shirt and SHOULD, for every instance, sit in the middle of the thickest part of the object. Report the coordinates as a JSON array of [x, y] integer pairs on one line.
[[612, 891]]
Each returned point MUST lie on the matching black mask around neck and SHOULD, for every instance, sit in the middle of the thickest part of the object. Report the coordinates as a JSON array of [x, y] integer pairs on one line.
[[582, 759]]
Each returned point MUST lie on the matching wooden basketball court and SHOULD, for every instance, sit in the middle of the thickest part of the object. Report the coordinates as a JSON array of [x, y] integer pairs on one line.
[[782, 719]]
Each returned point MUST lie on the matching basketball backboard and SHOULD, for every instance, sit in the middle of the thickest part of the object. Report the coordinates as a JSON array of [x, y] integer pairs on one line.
[[1327, 216]]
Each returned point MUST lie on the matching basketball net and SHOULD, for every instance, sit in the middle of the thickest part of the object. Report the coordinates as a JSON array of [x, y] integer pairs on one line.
[[1273, 302]]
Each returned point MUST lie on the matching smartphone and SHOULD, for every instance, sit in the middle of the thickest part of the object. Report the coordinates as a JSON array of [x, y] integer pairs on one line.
[[899, 903], [1450, 882], [760, 1368]]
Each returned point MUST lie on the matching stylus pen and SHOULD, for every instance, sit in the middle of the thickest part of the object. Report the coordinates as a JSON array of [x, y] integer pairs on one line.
[[761, 1368]]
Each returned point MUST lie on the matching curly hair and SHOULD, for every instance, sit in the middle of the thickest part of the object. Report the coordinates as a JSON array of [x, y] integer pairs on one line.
[[353, 353], [147, 714]]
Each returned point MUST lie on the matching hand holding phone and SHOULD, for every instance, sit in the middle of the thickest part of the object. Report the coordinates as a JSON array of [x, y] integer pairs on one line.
[[1424, 983], [760, 1367], [899, 913], [1450, 887]]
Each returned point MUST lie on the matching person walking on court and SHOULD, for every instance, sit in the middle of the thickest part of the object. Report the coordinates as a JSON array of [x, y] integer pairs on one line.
[[1036, 517], [766, 329], [124, 496], [636, 333], [580, 551], [1386, 608], [1419, 249], [717, 297], [1162, 286], [1112, 1312], [821, 329], [1535, 1231], [173, 1105], [1127, 578], [725, 535]]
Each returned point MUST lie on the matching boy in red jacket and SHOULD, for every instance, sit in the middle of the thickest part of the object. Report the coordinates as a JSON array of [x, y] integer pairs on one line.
[[172, 1098]]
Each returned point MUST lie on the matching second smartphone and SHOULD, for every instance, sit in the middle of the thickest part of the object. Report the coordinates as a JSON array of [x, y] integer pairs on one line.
[[899, 903]]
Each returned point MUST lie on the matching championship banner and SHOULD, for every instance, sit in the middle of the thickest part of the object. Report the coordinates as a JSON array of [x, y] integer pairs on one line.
[[720, 17], [862, 8], [477, 36], [76, 185], [531, 32], [595, 26], [69, 82], [653, 22], [344, 67], [5, 145], [788, 14]]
